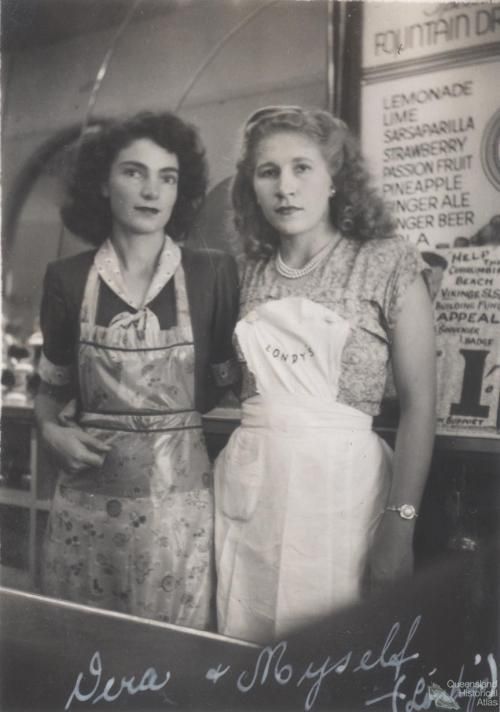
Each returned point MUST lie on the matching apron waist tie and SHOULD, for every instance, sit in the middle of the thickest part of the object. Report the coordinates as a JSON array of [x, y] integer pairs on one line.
[[301, 412], [142, 422]]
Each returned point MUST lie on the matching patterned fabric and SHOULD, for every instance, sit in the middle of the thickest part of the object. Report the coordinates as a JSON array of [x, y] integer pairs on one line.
[[125, 554], [108, 268], [365, 283], [135, 535], [212, 290]]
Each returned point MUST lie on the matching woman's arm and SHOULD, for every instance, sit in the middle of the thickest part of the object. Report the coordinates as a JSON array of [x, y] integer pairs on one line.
[[225, 366], [72, 447], [414, 374]]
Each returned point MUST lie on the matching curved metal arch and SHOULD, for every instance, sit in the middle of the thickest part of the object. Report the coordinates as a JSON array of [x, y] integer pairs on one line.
[[32, 170]]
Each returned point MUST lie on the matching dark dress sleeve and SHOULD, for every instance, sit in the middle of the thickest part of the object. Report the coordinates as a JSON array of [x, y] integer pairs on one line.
[[63, 289], [58, 325], [226, 303]]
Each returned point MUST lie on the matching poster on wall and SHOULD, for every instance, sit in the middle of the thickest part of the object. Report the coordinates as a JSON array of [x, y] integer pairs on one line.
[[431, 134], [399, 32], [467, 323], [432, 141]]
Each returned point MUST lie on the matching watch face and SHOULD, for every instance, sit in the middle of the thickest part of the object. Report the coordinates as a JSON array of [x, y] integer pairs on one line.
[[407, 511]]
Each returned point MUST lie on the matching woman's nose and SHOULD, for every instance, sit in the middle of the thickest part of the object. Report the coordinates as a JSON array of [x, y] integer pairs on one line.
[[286, 184], [150, 188]]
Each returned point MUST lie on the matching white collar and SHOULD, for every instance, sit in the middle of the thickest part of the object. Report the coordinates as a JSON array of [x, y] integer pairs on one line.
[[108, 267]]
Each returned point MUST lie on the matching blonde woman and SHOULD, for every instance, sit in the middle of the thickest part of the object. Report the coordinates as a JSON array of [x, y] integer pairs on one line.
[[310, 502]]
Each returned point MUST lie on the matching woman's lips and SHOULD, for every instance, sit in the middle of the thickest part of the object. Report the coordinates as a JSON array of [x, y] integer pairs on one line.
[[288, 210], [149, 210]]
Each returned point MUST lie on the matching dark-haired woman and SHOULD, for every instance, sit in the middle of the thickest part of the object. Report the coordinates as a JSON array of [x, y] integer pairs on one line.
[[308, 505], [130, 331]]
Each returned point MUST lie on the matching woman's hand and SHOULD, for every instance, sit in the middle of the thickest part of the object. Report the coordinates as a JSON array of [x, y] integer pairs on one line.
[[391, 555], [73, 448]]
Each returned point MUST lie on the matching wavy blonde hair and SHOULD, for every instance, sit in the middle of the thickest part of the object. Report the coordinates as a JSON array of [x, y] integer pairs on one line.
[[357, 211]]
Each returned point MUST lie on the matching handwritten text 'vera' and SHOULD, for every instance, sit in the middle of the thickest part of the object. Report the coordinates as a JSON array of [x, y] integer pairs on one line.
[[113, 688]]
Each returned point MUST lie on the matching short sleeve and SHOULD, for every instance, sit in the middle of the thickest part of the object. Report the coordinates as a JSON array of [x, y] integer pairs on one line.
[[408, 267], [58, 326], [222, 357]]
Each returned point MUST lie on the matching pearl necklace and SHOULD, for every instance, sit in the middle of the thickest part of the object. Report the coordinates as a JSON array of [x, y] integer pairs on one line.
[[293, 273]]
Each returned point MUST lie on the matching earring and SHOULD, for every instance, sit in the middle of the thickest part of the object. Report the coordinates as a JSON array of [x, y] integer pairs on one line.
[[332, 191]]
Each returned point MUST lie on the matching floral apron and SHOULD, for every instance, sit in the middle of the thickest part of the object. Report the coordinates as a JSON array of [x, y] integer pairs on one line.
[[302, 483], [136, 535]]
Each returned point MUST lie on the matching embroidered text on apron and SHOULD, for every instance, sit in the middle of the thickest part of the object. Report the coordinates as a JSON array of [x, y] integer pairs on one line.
[[301, 483]]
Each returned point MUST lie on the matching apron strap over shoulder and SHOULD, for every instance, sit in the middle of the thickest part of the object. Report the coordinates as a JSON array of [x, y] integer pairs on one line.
[[182, 303], [88, 309]]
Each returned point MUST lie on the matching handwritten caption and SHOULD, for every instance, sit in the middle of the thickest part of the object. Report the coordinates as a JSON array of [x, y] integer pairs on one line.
[[273, 666]]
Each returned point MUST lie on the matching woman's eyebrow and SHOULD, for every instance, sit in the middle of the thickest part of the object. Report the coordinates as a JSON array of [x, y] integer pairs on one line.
[[139, 164], [294, 160], [128, 162], [266, 163]]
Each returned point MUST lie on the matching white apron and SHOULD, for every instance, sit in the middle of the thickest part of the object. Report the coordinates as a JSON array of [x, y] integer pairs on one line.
[[302, 483]]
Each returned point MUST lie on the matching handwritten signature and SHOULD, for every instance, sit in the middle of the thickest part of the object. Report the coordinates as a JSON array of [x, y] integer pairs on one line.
[[113, 689], [273, 665], [270, 663]]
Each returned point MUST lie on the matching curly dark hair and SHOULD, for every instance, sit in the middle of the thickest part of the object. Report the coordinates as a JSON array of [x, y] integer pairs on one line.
[[86, 212], [357, 211]]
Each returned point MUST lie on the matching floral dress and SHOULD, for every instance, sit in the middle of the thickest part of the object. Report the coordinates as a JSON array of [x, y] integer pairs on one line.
[[136, 535]]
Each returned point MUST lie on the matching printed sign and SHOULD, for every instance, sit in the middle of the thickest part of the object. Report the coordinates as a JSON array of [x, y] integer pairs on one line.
[[467, 321], [433, 144], [401, 31], [431, 134]]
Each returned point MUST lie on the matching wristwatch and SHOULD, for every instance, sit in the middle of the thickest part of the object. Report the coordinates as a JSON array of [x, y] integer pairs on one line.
[[406, 511]]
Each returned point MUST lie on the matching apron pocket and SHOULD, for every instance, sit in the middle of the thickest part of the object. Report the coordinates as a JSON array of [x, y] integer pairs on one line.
[[238, 476]]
